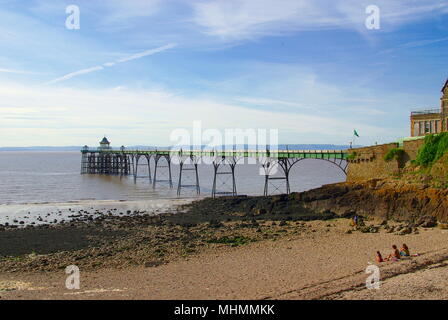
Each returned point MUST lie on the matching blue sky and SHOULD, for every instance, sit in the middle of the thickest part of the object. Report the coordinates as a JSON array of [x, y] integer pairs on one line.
[[137, 70]]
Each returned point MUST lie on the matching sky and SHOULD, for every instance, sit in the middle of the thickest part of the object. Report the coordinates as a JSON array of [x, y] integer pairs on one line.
[[138, 70]]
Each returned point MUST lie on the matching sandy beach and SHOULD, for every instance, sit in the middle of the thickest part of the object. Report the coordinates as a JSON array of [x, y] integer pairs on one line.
[[234, 258]]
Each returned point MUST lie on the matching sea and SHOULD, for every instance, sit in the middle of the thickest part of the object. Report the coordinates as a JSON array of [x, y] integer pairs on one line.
[[28, 177]]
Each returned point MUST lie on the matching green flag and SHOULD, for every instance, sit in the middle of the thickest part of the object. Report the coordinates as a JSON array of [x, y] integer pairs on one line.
[[355, 133]]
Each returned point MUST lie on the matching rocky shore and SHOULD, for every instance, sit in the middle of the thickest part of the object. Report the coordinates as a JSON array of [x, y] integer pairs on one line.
[[136, 239], [104, 239], [298, 260], [388, 199]]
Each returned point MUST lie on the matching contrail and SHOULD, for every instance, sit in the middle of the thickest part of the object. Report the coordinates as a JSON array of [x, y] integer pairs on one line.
[[111, 64], [74, 74]]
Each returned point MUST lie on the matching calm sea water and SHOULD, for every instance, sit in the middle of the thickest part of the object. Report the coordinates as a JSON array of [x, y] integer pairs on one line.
[[39, 177]]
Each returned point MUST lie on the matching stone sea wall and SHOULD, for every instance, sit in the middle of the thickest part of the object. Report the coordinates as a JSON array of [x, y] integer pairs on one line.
[[368, 162]]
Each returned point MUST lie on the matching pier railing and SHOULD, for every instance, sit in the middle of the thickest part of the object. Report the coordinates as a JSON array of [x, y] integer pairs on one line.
[[338, 154]]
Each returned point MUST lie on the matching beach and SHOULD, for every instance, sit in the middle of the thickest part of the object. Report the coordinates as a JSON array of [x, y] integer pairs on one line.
[[194, 255]]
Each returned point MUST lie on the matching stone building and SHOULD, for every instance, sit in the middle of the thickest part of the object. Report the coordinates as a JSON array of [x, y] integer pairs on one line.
[[431, 121]]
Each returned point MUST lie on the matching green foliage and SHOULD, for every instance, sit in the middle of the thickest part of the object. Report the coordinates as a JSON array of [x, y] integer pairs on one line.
[[352, 156], [434, 148], [394, 153]]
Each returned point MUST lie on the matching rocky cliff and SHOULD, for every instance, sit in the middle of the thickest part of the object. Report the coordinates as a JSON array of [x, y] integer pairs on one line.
[[384, 198]]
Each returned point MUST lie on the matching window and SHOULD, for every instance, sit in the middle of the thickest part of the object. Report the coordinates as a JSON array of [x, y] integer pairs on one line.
[[427, 127], [416, 131]]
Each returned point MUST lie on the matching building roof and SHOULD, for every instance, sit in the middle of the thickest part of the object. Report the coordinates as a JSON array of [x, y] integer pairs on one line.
[[104, 141], [446, 85]]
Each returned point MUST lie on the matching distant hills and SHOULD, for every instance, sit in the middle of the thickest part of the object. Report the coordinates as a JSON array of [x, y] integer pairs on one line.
[[41, 148], [238, 147]]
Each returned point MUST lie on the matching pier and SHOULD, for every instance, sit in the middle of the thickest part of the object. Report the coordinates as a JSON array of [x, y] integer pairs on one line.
[[127, 162]]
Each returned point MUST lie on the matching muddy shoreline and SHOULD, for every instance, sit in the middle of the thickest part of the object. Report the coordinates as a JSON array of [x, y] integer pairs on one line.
[[40, 214]]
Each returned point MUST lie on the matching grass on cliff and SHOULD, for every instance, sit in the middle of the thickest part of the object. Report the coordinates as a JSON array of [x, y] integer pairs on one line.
[[433, 149], [352, 156], [394, 153]]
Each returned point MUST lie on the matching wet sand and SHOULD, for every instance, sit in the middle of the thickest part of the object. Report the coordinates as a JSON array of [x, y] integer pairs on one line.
[[32, 214]]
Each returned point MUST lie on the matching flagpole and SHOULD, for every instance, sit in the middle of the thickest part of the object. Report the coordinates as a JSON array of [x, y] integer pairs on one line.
[[353, 138], [355, 134]]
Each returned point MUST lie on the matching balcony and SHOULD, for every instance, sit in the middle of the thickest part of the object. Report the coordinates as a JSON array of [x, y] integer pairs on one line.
[[427, 111]]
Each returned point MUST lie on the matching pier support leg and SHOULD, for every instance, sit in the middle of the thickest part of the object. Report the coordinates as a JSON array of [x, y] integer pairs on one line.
[[129, 165], [188, 163], [283, 165], [91, 163], [147, 164], [223, 163], [157, 158], [123, 165], [132, 164], [84, 163]]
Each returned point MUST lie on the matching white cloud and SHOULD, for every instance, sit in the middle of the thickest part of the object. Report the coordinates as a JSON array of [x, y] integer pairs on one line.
[[416, 44], [142, 117], [119, 10], [16, 71], [247, 19], [111, 11], [271, 102]]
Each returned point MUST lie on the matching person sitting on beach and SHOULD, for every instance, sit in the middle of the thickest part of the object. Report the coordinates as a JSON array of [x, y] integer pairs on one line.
[[404, 251], [355, 221], [395, 255], [378, 257]]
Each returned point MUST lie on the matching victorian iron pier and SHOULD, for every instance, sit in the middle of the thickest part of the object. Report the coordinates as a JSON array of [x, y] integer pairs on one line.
[[275, 165]]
